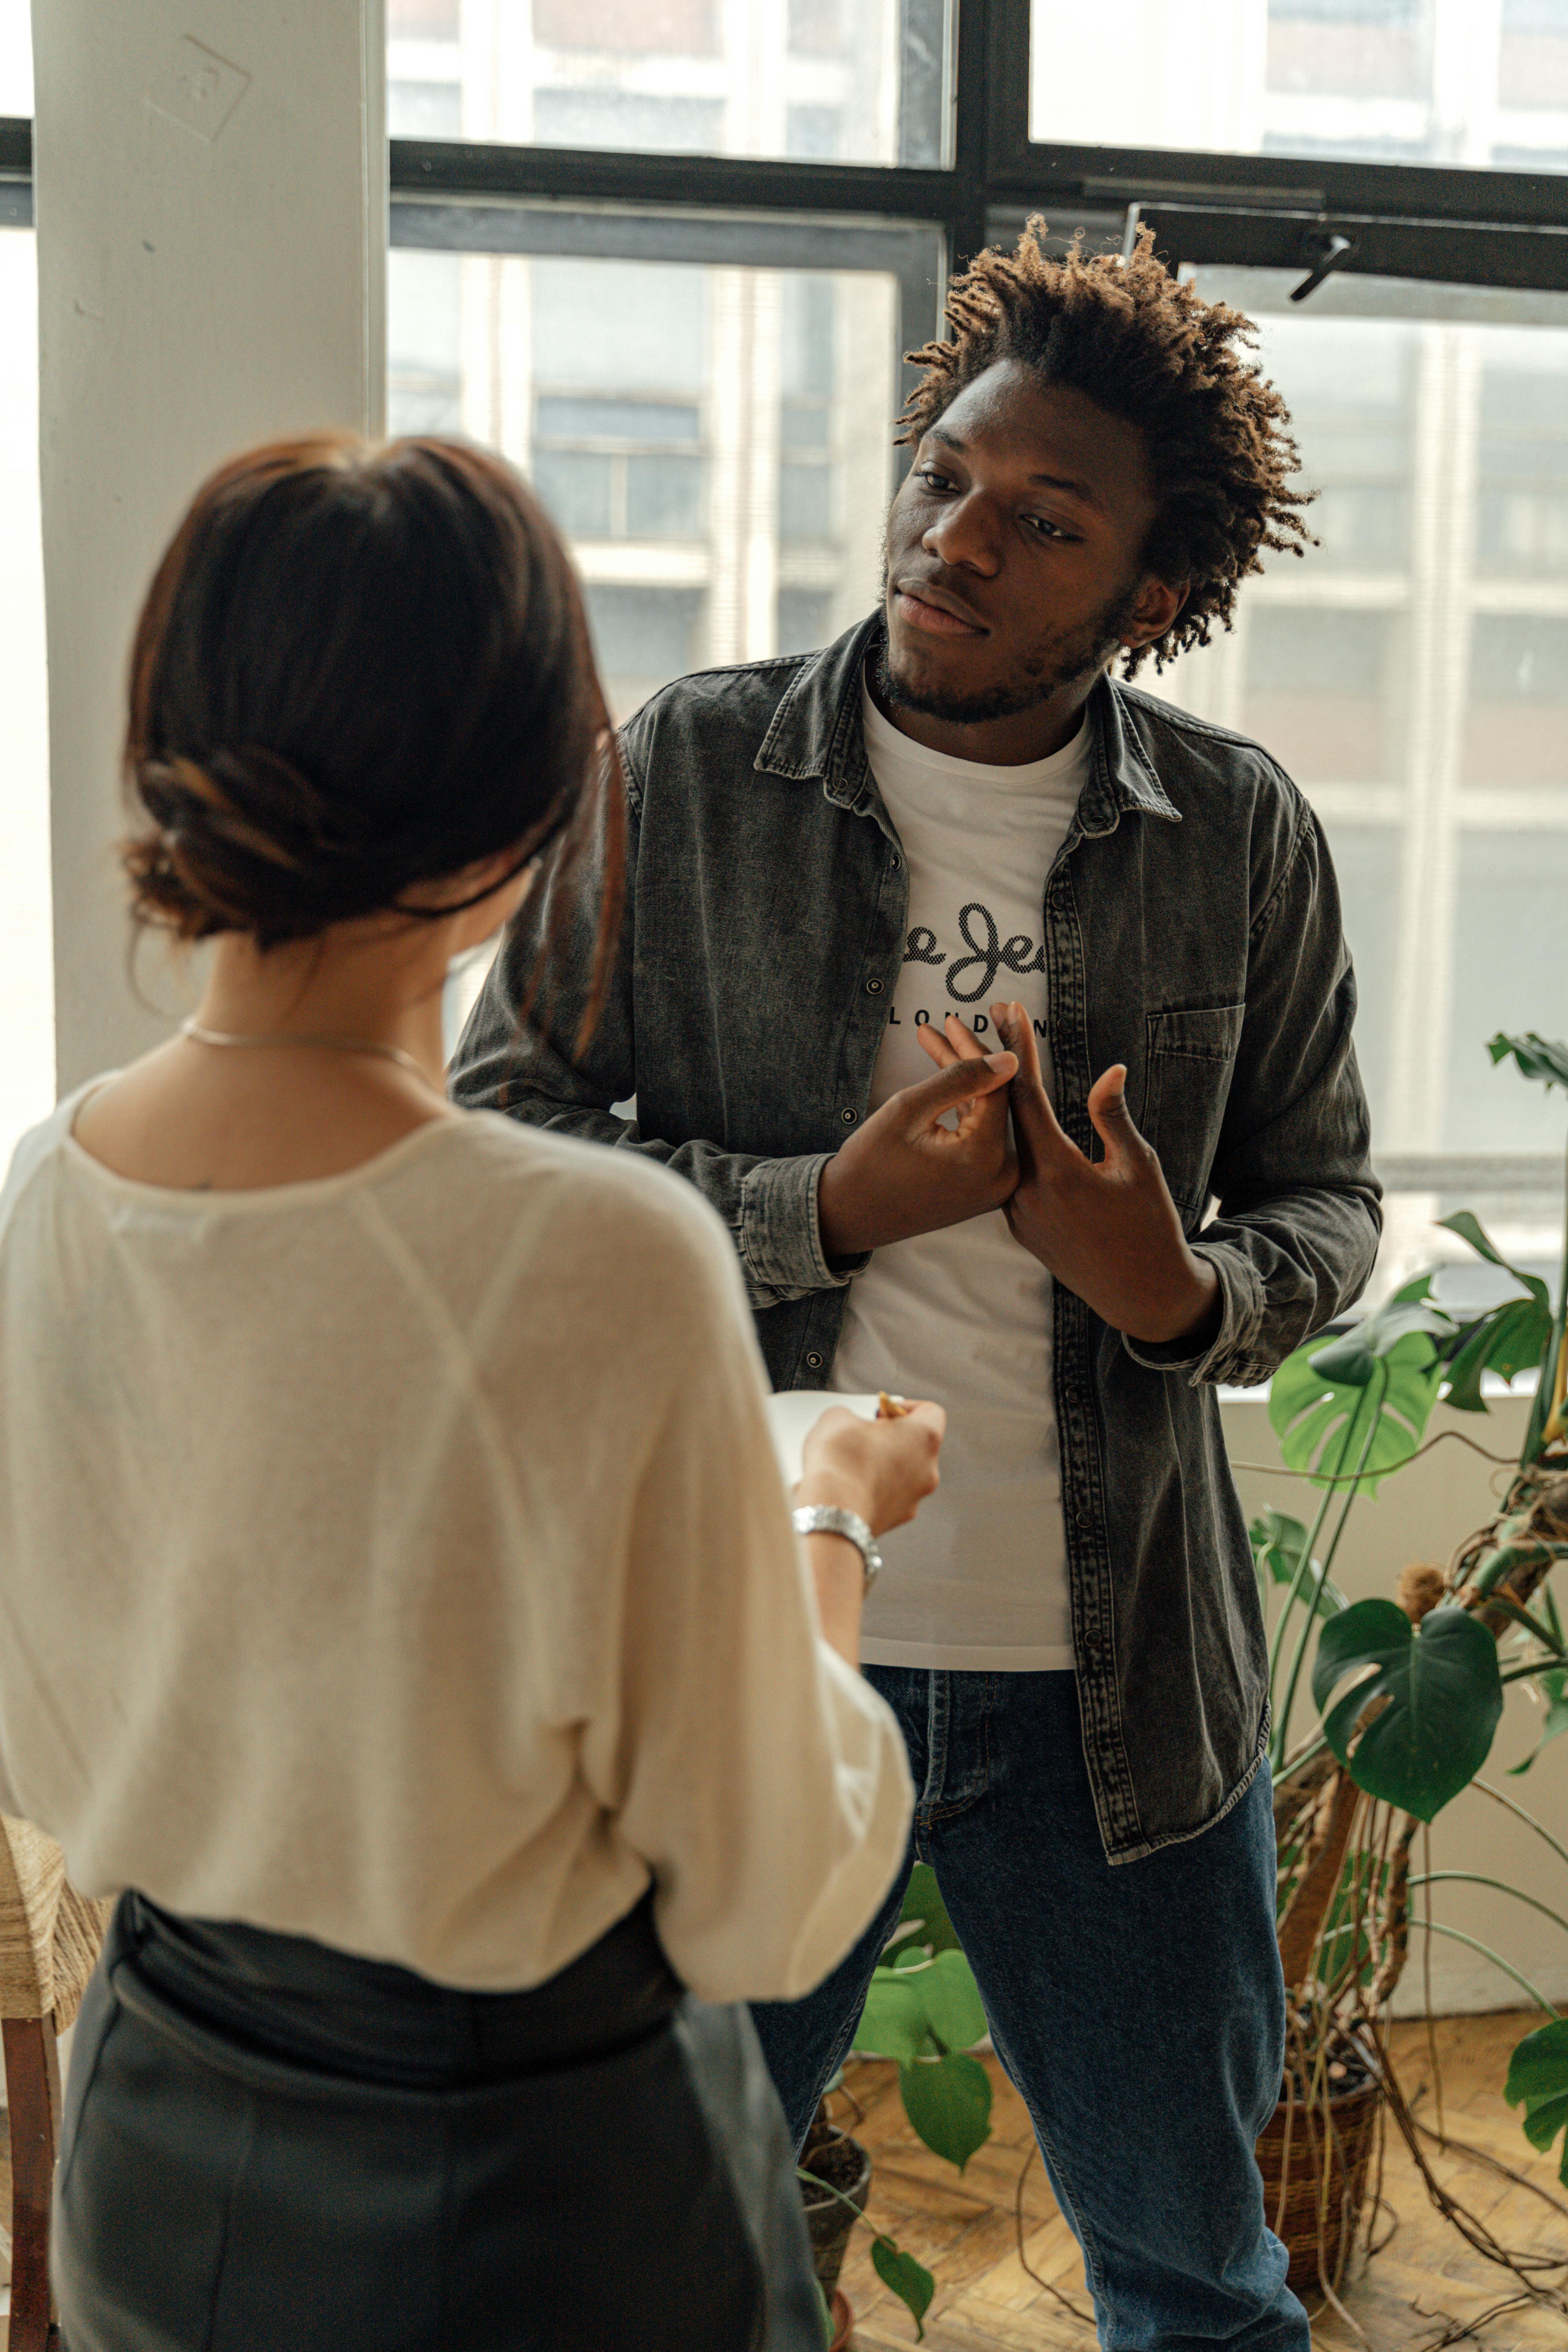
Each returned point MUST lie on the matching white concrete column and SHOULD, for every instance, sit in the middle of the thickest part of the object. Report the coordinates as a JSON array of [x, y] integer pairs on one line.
[[1443, 488], [211, 192]]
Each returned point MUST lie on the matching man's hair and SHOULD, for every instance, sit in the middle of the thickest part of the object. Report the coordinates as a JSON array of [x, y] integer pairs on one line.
[[1144, 347]]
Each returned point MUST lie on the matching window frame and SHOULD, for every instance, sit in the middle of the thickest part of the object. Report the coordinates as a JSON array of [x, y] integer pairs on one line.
[[922, 223], [1453, 223]]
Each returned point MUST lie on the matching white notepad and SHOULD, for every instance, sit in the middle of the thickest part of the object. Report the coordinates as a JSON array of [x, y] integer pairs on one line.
[[797, 1412]]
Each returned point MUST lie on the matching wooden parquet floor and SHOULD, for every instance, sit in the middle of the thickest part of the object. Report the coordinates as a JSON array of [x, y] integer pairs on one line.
[[962, 2229]]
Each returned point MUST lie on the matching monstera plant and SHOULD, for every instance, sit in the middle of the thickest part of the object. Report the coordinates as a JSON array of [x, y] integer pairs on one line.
[[1407, 1691]]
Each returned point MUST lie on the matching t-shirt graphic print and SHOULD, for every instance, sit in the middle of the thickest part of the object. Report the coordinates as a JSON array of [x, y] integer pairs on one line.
[[979, 1582]]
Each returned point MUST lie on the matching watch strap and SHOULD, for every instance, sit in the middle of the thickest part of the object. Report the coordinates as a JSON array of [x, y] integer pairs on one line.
[[828, 1520]]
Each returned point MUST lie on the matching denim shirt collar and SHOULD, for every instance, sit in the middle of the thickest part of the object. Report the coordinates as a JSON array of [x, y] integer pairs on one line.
[[815, 732]]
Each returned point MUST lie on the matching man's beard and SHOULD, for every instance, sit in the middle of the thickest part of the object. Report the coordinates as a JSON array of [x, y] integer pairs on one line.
[[1061, 661]]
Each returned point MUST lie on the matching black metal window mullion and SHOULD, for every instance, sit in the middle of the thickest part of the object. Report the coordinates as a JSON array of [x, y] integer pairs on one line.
[[16, 172]]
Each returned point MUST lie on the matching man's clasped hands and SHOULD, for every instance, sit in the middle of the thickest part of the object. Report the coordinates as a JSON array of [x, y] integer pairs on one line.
[[1107, 1229]]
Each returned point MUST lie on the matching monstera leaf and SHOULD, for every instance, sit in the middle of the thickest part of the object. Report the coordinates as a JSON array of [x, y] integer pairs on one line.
[[1555, 1691], [1537, 1058], [1442, 1696], [1538, 2081], [1508, 1338], [1278, 1542], [1361, 1402]]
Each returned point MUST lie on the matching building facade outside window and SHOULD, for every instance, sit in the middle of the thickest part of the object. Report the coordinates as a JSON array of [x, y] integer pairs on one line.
[[1482, 83], [715, 443], [1412, 674], [817, 79]]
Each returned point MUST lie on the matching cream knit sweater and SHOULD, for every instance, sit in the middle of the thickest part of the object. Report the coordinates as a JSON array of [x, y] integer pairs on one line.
[[400, 1560]]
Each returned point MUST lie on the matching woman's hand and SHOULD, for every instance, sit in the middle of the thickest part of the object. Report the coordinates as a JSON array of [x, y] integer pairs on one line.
[[881, 1470]]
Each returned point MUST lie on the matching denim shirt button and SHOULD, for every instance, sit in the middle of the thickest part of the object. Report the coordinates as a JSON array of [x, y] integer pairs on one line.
[[849, 1117], [873, 988], [895, 861], [1085, 1519], [814, 1361]]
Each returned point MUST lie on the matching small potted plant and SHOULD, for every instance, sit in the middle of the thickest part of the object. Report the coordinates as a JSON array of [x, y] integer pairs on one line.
[[923, 2011], [834, 2182]]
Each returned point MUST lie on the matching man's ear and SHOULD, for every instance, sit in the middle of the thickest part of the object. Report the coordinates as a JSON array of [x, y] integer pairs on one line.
[[1159, 603]]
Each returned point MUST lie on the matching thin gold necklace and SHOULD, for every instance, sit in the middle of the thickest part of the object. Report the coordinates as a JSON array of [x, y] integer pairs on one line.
[[192, 1028]]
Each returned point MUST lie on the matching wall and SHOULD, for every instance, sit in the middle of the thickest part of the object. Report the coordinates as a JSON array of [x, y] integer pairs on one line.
[[211, 195], [1423, 1513]]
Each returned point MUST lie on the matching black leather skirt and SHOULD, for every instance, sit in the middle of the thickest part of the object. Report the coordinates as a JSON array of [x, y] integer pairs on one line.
[[269, 2146]]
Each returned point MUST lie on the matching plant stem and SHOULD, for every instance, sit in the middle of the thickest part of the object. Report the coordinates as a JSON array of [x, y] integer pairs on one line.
[[1300, 1659], [1547, 1639], [1508, 1802], [1302, 1578], [1473, 1878], [1305, 1756], [1435, 1928], [816, 2180], [1541, 1405], [1303, 1571]]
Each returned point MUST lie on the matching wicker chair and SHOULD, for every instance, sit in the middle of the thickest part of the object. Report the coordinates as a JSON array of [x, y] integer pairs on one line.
[[49, 1939]]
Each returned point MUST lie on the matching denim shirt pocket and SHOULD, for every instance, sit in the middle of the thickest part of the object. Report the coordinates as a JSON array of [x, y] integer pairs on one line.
[[1189, 1057]]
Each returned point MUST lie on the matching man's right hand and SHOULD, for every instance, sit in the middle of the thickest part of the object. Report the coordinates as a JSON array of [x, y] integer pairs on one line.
[[905, 1173]]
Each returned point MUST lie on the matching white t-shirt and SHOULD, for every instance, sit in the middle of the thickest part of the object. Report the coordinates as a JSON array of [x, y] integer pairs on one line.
[[979, 1580], [401, 1560]]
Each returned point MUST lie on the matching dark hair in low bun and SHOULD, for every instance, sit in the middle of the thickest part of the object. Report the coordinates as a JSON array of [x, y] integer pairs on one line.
[[359, 668]]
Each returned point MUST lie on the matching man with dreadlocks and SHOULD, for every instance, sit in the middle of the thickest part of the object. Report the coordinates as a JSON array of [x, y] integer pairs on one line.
[[953, 831]]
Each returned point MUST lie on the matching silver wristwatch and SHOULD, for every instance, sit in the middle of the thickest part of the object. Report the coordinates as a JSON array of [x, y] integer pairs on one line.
[[826, 1519]]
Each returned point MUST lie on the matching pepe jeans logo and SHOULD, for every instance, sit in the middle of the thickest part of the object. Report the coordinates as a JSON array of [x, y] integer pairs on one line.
[[989, 953]]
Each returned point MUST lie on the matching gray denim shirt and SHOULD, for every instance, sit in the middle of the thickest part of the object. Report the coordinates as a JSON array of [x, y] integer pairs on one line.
[[1191, 931]]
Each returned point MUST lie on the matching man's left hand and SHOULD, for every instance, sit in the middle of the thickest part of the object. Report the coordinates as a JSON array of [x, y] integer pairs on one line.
[[1107, 1229]]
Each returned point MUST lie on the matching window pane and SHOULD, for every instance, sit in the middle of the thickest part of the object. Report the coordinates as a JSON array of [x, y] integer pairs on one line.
[[1412, 674], [1400, 81], [26, 951], [858, 81], [16, 57], [578, 488], [716, 443], [663, 497], [803, 620]]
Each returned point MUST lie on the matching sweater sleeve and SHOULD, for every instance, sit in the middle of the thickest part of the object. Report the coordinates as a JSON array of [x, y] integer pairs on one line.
[[761, 1777]]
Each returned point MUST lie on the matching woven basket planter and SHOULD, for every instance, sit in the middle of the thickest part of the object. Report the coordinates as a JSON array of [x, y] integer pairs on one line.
[[1319, 2230]]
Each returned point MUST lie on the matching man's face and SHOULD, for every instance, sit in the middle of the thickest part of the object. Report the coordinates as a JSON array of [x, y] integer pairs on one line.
[[1014, 551]]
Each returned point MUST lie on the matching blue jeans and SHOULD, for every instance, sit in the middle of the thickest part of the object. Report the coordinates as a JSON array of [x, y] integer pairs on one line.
[[1139, 2008]]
